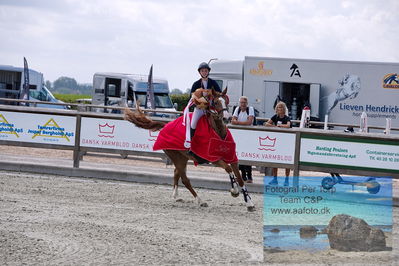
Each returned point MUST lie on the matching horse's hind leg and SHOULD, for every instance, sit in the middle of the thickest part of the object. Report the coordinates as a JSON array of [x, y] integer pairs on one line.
[[176, 173], [176, 177], [187, 183], [180, 162]]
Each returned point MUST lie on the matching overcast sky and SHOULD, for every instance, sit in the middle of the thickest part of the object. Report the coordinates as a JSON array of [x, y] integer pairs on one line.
[[77, 38]]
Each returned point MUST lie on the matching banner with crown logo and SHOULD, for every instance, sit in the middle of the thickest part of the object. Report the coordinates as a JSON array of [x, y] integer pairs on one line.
[[115, 134], [265, 146]]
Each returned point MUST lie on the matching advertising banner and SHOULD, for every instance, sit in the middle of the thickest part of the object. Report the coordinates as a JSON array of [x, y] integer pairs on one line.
[[37, 128], [251, 145], [351, 153], [264, 146], [115, 134]]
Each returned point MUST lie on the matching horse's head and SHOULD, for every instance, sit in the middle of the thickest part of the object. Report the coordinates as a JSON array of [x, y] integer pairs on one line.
[[220, 102], [216, 113], [349, 87]]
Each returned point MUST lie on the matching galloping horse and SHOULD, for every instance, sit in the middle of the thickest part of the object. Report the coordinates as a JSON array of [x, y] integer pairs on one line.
[[181, 157], [349, 87]]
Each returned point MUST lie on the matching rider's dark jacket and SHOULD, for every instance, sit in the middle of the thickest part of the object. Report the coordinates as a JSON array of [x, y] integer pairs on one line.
[[211, 83]]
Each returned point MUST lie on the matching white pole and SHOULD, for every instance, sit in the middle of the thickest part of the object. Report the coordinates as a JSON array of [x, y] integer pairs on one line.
[[363, 123], [305, 117], [388, 126], [326, 122]]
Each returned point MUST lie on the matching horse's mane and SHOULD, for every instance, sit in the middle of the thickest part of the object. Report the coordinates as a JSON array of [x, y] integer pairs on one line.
[[218, 125]]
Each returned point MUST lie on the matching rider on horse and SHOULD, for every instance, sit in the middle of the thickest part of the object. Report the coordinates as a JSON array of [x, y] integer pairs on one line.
[[202, 98], [214, 143]]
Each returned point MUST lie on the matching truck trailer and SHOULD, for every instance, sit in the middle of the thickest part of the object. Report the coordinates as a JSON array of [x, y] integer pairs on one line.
[[123, 90], [340, 89], [11, 87]]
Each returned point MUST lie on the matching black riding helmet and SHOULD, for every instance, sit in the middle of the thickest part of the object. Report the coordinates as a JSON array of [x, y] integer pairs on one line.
[[203, 65]]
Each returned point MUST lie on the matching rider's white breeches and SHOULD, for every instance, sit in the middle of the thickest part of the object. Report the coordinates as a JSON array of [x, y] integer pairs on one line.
[[193, 124], [197, 114]]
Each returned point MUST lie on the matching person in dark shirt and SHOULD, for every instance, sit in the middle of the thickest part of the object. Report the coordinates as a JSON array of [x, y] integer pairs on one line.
[[280, 119], [206, 84]]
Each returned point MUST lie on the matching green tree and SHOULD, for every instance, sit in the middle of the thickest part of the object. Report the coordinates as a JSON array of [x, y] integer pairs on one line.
[[65, 82], [181, 100], [176, 92], [67, 85], [48, 84]]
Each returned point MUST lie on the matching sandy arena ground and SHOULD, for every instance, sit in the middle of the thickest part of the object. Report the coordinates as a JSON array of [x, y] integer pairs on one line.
[[49, 220], [58, 220]]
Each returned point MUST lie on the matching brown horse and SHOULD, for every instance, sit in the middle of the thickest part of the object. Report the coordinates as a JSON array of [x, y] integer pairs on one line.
[[180, 158]]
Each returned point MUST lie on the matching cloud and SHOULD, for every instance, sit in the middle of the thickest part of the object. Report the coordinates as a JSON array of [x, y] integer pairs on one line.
[[78, 38]]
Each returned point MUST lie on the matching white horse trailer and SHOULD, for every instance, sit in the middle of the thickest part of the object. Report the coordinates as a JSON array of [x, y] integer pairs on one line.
[[12, 82], [117, 89]]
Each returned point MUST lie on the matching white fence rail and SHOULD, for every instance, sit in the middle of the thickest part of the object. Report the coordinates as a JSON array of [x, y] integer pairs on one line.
[[298, 149]]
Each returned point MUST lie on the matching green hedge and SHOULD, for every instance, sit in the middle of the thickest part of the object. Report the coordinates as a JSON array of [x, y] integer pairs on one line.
[[181, 100], [70, 98]]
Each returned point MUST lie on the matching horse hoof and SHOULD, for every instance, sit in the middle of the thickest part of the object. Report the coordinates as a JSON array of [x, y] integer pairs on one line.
[[204, 204], [234, 192], [235, 195], [179, 200], [251, 208]]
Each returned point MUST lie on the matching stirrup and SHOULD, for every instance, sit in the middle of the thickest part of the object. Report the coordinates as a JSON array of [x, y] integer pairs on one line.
[[187, 144]]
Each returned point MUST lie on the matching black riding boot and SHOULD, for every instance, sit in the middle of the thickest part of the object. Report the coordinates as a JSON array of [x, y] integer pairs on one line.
[[192, 132]]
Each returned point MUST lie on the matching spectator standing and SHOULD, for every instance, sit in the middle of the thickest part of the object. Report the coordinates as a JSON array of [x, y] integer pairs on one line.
[[280, 119], [244, 115]]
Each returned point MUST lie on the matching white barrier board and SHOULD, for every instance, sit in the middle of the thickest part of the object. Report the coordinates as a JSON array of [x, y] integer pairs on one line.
[[356, 154], [251, 145], [264, 146], [37, 128], [115, 134]]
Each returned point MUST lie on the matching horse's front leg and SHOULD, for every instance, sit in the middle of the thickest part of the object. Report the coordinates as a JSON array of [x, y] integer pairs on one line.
[[247, 198], [235, 192]]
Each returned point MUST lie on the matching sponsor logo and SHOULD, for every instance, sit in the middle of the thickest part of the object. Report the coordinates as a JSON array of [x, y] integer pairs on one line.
[[153, 135], [105, 130], [8, 128], [267, 144], [391, 81], [260, 70], [51, 130], [295, 71]]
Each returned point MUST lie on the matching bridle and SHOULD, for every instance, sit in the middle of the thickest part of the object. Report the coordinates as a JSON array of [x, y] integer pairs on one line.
[[214, 112]]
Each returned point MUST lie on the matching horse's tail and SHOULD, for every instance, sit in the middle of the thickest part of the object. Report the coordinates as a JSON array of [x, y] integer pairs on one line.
[[141, 120]]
